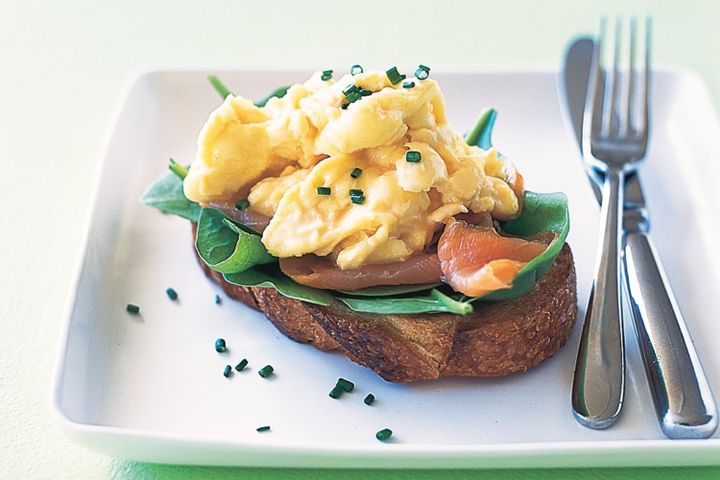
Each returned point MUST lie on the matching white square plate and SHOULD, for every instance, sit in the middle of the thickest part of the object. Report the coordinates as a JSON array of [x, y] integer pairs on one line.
[[151, 388]]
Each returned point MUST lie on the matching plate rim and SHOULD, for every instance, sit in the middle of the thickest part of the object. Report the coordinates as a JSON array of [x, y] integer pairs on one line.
[[399, 455]]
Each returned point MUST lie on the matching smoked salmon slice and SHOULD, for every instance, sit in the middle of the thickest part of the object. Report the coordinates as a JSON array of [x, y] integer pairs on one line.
[[318, 272], [476, 260]]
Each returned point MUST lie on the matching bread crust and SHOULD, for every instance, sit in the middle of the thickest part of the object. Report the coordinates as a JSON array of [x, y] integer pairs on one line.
[[498, 338]]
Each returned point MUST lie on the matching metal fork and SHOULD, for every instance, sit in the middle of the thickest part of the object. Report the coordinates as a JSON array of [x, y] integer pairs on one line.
[[615, 137]]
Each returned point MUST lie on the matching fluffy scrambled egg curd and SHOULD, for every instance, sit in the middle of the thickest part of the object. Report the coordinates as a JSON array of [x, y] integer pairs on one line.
[[364, 182]]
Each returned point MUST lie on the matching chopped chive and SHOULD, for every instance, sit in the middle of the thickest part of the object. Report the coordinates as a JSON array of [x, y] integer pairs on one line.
[[346, 385], [356, 172], [179, 170], [365, 93], [383, 434], [394, 76], [350, 89], [413, 156], [242, 204], [219, 87], [132, 309], [422, 72], [264, 428], [356, 192], [171, 293], [323, 190], [266, 371], [218, 301], [241, 366], [408, 84], [357, 200], [326, 75], [336, 392], [227, 372], [344, 106], [356, 69], [369, 399], [353, 97], [220, 345]]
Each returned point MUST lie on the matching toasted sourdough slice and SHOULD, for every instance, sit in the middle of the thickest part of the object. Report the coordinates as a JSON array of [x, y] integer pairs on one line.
[[497, 339]]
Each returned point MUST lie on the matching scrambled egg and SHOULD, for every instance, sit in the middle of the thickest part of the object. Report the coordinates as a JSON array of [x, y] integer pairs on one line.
[[280, 154]]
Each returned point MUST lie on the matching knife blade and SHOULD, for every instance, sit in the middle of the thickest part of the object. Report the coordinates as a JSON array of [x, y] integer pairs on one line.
[[681, 394]]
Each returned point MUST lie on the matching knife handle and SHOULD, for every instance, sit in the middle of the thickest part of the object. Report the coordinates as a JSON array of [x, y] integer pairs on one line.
[[683, 400]]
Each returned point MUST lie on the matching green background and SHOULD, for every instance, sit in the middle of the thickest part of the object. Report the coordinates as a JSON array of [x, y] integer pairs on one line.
[[62, 65]]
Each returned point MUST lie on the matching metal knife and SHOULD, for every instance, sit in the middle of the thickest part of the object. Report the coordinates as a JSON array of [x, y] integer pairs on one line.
[[681, 393]]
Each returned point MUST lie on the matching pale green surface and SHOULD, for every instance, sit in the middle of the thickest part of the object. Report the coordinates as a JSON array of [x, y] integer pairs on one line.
[[62, 67]]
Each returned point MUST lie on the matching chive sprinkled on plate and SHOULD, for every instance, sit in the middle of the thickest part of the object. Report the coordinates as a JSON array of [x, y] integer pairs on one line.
[[326, 75], [242, 204], [369, 399], [132, 309], [171, 293], [241, 366], [264, 428], [413, 156], [218, 301], [336, 392], [356, 172], [356, 69], [394, 76], [408, 84], [227, 372], [422, 72], [323, 190], [266, 371], [384, 434], [346, 385], [220, 345]]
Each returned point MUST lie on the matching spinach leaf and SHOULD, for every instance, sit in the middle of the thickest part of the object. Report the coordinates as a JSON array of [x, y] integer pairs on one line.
[[224, 91], [541, 212], [481, 133], [219, 86], [278, 92], [435, 302], [167, 196], [270, 276], [225, 247], [387, 290]]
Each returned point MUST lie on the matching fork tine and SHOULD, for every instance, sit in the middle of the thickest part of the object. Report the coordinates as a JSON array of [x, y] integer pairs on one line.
[[642, 132], [615, 107], [612, 80], [629, 126], [598, 94]]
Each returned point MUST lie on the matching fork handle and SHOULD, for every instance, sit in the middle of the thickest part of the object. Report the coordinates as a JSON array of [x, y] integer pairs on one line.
[[683, 399], [599, 380]]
